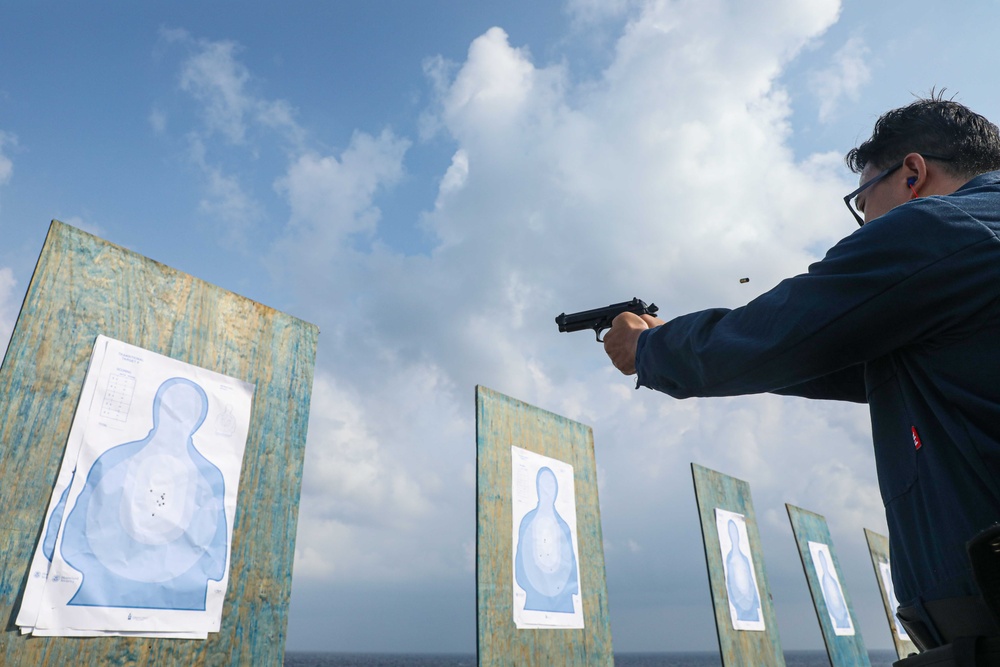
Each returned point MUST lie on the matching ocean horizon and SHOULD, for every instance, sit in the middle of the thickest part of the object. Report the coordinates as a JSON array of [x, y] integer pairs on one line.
[[879, 658]]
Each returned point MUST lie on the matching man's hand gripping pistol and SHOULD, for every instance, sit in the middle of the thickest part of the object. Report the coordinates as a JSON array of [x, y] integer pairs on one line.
[[599, 319]]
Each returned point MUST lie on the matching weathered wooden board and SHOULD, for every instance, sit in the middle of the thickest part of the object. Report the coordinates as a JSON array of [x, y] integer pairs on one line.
[[843, 650], [714, 490], [878, 547], [502, 422], [83, 286]]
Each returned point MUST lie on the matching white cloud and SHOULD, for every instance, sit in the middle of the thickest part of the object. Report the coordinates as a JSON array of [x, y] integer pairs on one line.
[[158, 121], [348, 476], [233, 210], [493, 85], [667, 176], [457, 172], [227, 202], [332, 198], [218, 81], [367, 497], [9, 306], [843, 79], [6, 164], [223, 86], [234, 116]]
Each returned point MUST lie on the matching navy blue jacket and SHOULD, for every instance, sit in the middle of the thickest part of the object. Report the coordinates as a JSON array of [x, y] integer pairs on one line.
[[903, 314]]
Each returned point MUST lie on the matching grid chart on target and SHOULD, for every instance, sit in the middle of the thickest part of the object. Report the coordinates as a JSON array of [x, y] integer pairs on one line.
[[118, 397]]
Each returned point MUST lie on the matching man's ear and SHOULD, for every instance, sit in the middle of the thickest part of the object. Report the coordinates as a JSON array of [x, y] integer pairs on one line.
[[915, 170]]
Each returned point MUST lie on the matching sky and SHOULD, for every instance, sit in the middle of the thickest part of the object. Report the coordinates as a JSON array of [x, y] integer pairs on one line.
[[431, 183]]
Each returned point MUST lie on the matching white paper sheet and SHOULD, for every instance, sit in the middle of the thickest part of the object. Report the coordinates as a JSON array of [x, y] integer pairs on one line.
[[886, 573], [742, 590], [140, 522], [833, 593], [546, 568]]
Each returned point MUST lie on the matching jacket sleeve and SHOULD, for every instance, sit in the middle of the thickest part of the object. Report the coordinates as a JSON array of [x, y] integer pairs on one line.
[[847, 384], [902, 279]]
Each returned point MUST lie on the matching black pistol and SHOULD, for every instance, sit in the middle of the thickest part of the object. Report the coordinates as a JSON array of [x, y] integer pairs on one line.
[[599, 319]]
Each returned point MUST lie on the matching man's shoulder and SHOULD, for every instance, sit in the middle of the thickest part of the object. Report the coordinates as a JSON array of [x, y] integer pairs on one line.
[[975, 207], [924, 231], [989, 181], [973, 210]]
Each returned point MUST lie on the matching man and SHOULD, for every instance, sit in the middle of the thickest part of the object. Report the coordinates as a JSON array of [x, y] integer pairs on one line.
[[903, 314]]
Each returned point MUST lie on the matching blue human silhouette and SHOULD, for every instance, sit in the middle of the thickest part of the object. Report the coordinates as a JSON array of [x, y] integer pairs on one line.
[[545, 565], [55, 520], [739, 579], [835, 603], [148, 530]]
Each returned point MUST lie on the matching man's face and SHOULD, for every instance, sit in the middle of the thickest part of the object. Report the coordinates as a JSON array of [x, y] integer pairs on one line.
[[883, 196]]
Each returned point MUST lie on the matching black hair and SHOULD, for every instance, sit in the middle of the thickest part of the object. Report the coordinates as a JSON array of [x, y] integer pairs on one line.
[[931, 126]]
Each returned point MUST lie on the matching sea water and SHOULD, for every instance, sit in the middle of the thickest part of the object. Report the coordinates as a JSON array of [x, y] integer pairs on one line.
[[704, 659]]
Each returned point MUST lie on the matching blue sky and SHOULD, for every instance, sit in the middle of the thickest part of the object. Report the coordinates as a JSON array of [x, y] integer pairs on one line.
[[431, 183]]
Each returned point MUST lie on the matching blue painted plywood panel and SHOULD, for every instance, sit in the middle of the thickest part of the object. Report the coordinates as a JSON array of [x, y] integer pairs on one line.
[[83, 286], [502, 422], [739, 647], [878, 547], [828, 589]]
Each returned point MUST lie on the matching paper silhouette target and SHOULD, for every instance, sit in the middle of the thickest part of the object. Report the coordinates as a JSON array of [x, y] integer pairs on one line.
[[885, 572], [833, 594], [546, 562], [138, 533], [741, 580]]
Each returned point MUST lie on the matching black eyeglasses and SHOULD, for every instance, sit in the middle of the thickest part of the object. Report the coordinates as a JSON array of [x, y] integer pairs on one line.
[[867, 184]]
